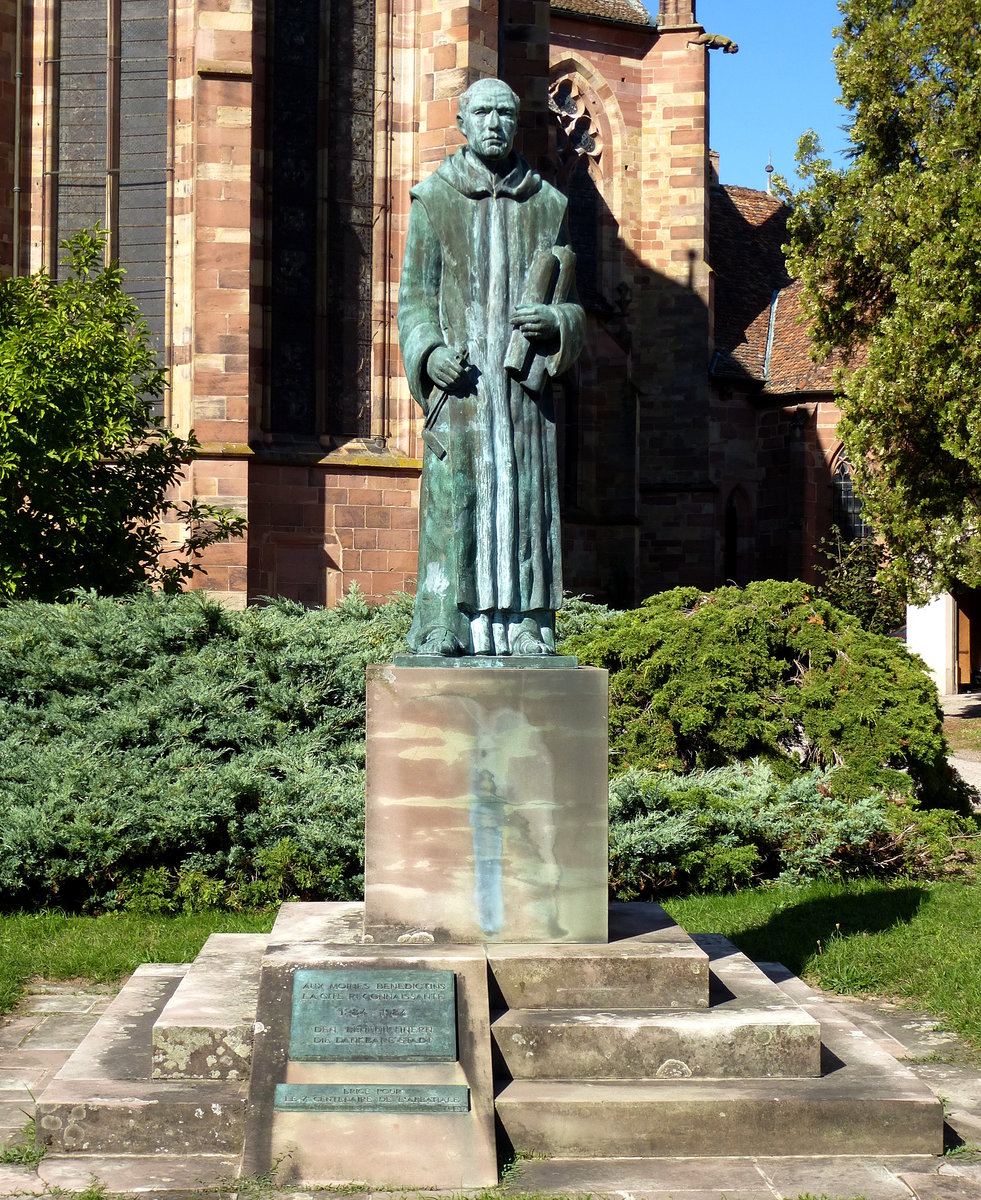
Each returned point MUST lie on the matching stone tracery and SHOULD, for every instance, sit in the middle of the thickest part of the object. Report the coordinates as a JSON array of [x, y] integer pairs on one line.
[[578, 135]]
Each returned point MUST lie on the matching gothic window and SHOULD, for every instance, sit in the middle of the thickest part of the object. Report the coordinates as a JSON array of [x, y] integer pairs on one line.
[[846, 504], [579, 146], [112, 59], [321, 85]]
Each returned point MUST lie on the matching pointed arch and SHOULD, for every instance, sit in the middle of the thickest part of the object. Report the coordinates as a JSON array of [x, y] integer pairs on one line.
[[737, 538], [847, 510]]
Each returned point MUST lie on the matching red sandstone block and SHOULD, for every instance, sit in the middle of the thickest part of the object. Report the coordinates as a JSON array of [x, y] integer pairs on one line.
[[223, 300], [402, 560], [231, 345], [363, 579], [438, 114], [283, 516], [365, 495], [350, 516], [233, 279], [215, 578], [396, 539], [374, 560], [335, 495], [444, 57], [432, 138], [404, 518], [394, 497], [227, 554], [365, 538], [377, 516], [222, 470]]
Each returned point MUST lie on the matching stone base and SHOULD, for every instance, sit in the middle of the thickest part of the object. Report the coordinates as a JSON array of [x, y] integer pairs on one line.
[[649, 1048], [449, 1150], [487, 806]]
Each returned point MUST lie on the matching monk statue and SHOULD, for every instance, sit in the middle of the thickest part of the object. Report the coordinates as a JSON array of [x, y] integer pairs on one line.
[[487, 317]]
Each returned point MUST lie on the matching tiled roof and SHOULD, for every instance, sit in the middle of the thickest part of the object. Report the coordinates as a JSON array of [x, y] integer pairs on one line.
[[791, 367], [628, 12], [746, 231], [753, 289]]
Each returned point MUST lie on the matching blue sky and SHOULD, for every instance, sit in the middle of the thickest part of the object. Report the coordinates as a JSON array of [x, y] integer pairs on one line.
[[780, 83]]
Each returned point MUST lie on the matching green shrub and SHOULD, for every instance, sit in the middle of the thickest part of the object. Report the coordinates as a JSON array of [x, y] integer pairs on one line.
[[769, 672], [86, 469], [736, 826], [162, 752]]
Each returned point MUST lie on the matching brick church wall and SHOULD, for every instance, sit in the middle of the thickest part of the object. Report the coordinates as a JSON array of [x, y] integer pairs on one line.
[[8, 26], [647, 462], [647, 512]]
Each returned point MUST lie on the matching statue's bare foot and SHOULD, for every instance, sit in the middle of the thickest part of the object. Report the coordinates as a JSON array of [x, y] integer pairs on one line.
[[440, 641], [526, 644]]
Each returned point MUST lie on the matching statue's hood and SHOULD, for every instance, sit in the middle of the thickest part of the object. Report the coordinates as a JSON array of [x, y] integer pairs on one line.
[[465, 173]]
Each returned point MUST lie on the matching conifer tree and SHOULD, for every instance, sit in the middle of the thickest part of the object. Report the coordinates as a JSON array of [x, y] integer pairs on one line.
[[889, 249]]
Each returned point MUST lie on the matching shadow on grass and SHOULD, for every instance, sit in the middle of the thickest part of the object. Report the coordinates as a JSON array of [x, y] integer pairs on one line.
[[791, 935]]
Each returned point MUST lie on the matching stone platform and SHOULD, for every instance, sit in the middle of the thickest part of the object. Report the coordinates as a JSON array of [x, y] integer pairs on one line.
[[650, 1048]]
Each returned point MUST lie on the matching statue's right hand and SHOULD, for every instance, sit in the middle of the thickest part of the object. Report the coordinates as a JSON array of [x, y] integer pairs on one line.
[[445, 368]]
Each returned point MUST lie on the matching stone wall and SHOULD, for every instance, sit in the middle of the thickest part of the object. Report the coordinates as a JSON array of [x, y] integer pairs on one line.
[[649, 459], [7, 86]]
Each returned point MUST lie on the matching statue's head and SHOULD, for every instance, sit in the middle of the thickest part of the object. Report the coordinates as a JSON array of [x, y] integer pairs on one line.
[[488, 117]]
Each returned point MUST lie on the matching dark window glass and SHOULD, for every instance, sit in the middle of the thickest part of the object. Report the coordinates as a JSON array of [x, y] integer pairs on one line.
[[112, 139], [846, 510], [320, 217]]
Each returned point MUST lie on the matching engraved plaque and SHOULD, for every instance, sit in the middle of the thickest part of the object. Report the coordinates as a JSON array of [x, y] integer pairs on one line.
[[372, 1097], [373, 1015]]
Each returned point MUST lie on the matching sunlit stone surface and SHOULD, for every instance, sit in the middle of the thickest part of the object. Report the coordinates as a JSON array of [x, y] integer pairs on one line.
[[486, 814]]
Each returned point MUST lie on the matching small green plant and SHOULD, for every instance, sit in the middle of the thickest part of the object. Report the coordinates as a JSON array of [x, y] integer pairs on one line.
[[852, 576], [85, 465], [96, 1190], [23, 1151]]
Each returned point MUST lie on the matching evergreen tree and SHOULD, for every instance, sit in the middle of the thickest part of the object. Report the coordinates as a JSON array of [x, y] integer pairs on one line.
[[888, 250]]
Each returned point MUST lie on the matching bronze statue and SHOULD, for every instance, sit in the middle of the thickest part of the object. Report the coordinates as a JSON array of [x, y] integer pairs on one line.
[[487, 317]]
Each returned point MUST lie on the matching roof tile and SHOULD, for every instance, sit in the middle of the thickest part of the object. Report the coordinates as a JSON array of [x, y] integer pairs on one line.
[[630, 12], [748, 229]]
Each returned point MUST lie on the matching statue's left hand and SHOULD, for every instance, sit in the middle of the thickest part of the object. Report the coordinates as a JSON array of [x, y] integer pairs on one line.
[[536, 321]]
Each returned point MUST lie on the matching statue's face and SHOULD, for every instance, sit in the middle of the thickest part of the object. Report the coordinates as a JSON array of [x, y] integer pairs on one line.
[[489, 122]]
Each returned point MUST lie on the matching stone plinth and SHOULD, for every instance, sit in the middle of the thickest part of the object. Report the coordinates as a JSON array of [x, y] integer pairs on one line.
[[292, 1126], [487, 805]]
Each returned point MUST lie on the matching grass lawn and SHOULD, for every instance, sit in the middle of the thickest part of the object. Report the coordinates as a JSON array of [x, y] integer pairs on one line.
[[103, 949], [962, 733], [919, 942]]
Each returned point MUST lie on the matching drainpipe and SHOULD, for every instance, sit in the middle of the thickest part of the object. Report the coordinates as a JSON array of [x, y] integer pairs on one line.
[[18, 79]]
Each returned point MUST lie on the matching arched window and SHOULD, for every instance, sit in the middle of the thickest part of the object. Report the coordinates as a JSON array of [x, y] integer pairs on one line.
[[846, 504]]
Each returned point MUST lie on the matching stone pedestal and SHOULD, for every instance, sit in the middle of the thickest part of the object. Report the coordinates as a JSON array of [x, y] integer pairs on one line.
[[487, 805], [363, 1111]]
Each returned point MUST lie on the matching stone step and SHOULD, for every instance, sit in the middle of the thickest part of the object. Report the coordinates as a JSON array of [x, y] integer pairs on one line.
[[656, 1118], [865, 1102], [206, 1028], [139, 1174], [103, 1100], [574, 1044], [753, 1030], [649, 963]]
